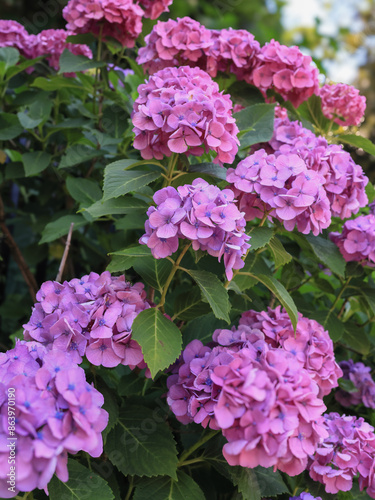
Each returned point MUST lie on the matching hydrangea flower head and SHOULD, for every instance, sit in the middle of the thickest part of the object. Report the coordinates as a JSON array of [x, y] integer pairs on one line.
[[89, 316], [180, 110], [154, 8], [57, 412], [201, 213], [359, 374], [13, 34], [343, 104], [119, 19], [356, 242]]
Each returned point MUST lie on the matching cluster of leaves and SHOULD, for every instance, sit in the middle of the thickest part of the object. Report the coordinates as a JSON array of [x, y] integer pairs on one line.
[[66, 158]]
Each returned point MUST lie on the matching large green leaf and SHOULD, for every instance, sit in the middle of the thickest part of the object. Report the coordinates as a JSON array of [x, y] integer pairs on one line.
[[124, 259], [270, 482], [311, 110], [10, 126], [142, 444], [82, 484], [60, 227], [35, 162], [246, 482], [160, 339], [118, 181], [213, 290], [370, 191], [260, 236], [153, 271], [280, 255], [256, 124], [246, 279], [166, 488], [56, 82], [189, 305], [83, 190], [328, 253], [71, 63], [118, 206], [356, 339], [79, 153], [9, 56], [245, 94], [202, 328], [359, 142], [330, 322]]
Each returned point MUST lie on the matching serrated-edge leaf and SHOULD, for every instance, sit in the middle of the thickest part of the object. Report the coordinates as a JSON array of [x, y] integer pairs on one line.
[[118, 182], [34, 163], [116, 206], [281, 256], [71, 63], [165, 488], [153, 271], [359, 142], [328, 253], [83, 190], [60, 227], [260, 236], [188, 306]]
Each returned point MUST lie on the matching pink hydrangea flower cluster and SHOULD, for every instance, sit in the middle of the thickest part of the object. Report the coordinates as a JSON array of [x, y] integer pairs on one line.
[[90, 316], [154, 8], [287, 71], [180, 110], [13, 34], [359, 374], [119, 19], [344, 180], [311, 345], [265, 403], [342, 103], [348, 450], [202, 213], [356, 242], [56, 412], [284, 187]]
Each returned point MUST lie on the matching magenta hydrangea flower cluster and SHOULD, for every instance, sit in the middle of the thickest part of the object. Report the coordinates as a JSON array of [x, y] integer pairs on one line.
[[342, 103], [359, 375], [201, 213], [347, 450], [356, 242], [91, 316], [274, 66], [305, 496], [56, 412], [119, 19], [266, 405], [154, 8], [13, 34], [311, 344], [180, 110], [344, 180], [284, 187]]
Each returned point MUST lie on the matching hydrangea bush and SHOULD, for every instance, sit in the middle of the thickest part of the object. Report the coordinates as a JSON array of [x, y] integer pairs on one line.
[[198, 246]]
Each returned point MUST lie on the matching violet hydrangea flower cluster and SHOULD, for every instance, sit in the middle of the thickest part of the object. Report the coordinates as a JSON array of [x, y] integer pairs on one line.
[[342, 103], [310, 345], [359, 375], [201, 213], [284, 187], [356, 242], [90, 316], [180, 110], [265, 403], [119, 19], [56, 412], [348, 450], [305, 496]]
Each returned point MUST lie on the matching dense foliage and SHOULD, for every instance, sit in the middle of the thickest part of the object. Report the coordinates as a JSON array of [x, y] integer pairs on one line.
[[198, 248]]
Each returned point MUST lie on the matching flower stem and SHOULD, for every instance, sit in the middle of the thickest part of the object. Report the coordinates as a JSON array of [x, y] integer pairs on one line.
[[171, 166], [195, 446], [345, 286], [130, 489], [171, 275]]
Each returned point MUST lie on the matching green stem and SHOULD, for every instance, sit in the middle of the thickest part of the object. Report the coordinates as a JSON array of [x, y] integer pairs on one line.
[[130, 489], [195, 446], [190, 462], [345, 286], [171, 275], [171, 165], [97, 70]]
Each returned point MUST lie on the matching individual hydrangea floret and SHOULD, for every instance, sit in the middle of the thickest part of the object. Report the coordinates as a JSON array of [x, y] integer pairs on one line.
[[305, 496], [13, 34], [90, 316], [119, 19], [201, 213], [347, 451], [56, 412], [359, 374], [311, 344], [342, 103], [285, 70], [180, 110], [283, 187], [154, 8], [356, 242]]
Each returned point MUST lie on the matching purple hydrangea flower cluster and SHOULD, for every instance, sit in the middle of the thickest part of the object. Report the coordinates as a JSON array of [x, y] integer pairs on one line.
[[284, 187], [202, 213], [310, 345], [356, 242], [13, 34], [56, 412], [265, 403], [90, 316], [359, 374], [347, 450], [180, 110], [344, 180], [342, 103], [154, 8], [305, 496]]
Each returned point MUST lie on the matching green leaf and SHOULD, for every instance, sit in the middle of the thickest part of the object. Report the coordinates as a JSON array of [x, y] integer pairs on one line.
[[256, 124], [9, 56], [213, 290], [356, 339], [118, 181], [370, 191], [119, 206], [209, 169], [359, 142], [260, 236], [35, 162], [10, 126], [328, 253], [347, 385], [271, 483], [330, 322], [115, 121], [82, 38], [28, 122], [202, 328], [142, 444], [189, 305], [124, 259], [70, 63], [245, 279], [246, 482], [165, 488], [311, 110], [60, 227], [79, 153], [83, 190], [280, 255], [159, 338], [82, 484], [56, 83], [153, 271], [245, 94]]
